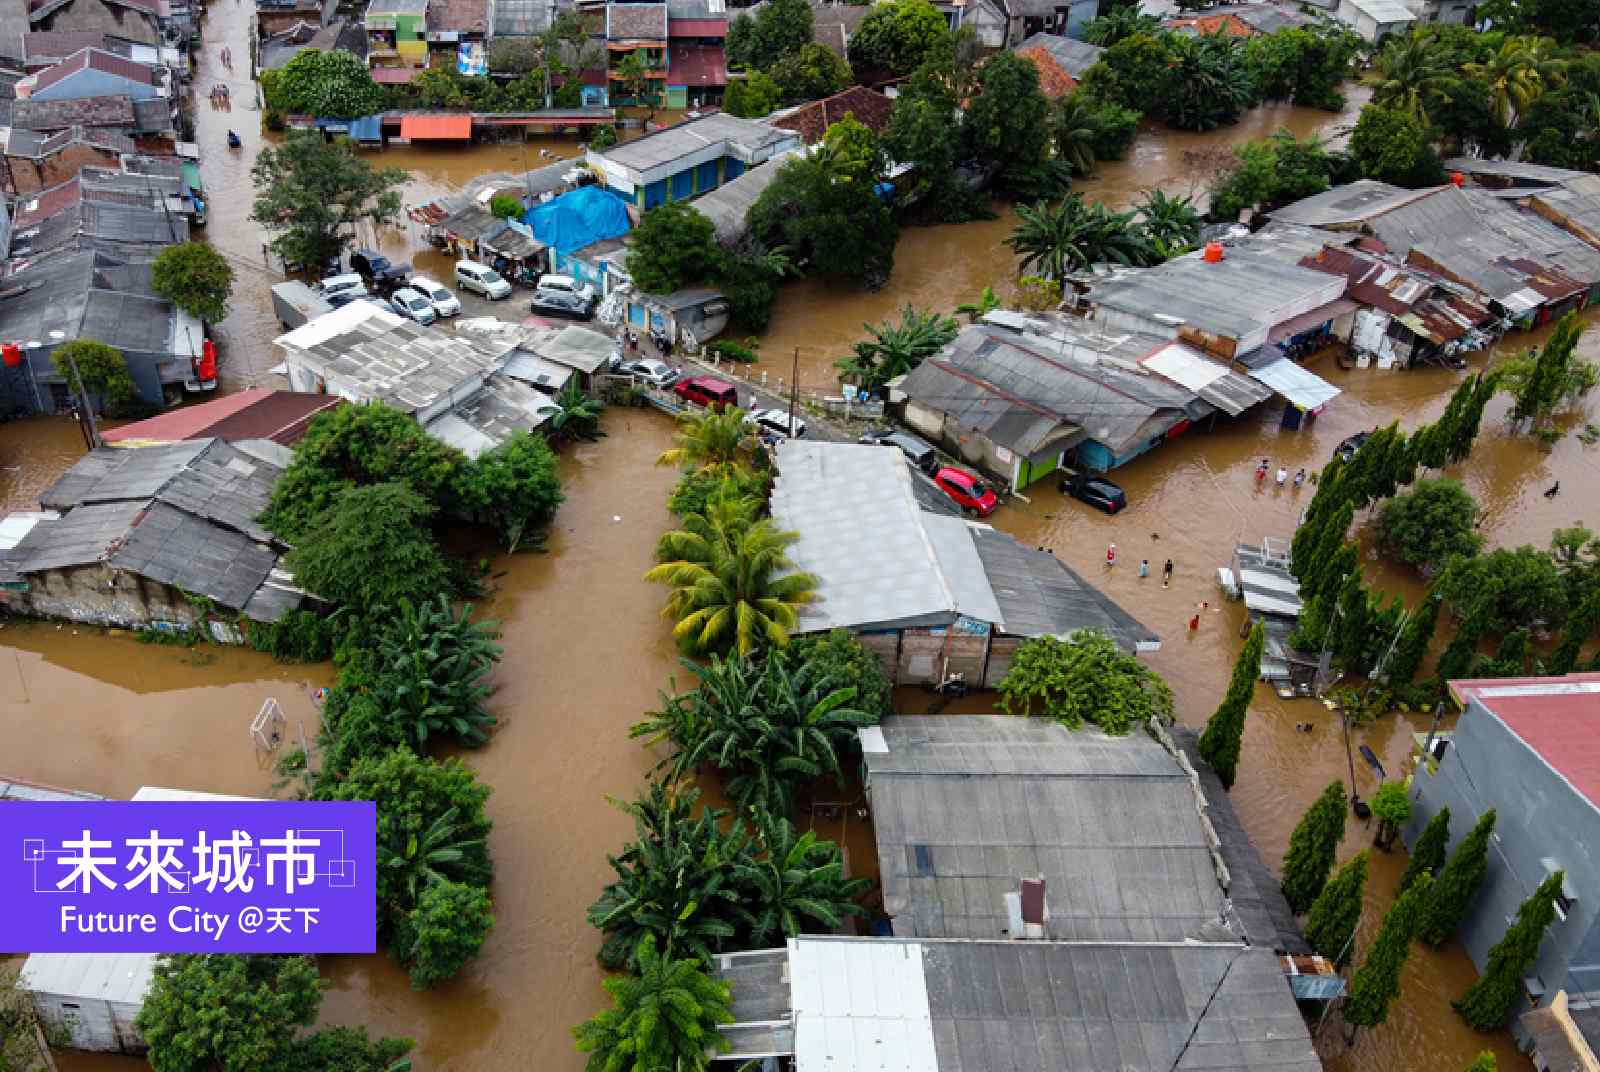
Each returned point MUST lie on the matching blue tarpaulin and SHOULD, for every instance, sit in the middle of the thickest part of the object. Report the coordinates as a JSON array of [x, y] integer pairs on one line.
[[578, 218], [367, 128]]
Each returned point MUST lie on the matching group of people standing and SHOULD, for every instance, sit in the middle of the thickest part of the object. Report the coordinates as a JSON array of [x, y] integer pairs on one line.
[[1283, 474]]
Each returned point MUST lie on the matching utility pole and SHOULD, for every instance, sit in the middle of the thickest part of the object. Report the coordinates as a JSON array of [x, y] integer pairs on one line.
[[794, 389], [93, 438]]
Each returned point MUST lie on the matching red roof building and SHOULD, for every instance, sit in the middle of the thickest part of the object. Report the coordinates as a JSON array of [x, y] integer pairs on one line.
[[717, 28], [1558, 718], [696, 65], [259, 413], [811, 121], [1054, 81]]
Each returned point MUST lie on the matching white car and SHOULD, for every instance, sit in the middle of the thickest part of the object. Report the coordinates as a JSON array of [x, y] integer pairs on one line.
[[470, 275], [775, 422], [336, 286], [656, 373], [565, 284], [444, 303], [408, 302]]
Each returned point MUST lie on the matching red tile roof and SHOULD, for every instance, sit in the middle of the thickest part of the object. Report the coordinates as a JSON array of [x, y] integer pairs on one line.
[[1557, 717], [811, 121], [100, 60], [1232, 25], [697, 27], [696, 65], [1054, 81], [35, 210], [439, 127], [258, 413]]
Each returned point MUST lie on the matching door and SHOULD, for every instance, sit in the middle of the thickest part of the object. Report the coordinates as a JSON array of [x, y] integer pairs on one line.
[[921, 656]]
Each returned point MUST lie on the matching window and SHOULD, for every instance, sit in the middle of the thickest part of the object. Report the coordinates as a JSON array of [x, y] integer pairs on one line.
[[69, 1005]]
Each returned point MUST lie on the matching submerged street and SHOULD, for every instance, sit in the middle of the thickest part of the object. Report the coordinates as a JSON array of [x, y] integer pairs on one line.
[[587, 652]]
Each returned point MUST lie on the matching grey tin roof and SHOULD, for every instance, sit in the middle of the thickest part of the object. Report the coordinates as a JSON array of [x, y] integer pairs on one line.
[[173, 547], [116, 475], [728, 205], [82, 537], [1040, 595], [1074, 56], [1578, 200], [1519, 170], [633, 22], [742, 138], [1111, 823], [1346, 205]]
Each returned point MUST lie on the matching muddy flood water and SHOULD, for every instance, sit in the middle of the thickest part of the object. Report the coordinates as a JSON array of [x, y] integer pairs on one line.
[[586, 650]]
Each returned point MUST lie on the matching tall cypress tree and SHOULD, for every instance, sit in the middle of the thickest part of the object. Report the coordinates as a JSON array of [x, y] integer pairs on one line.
[[1331, 924], [1466, 429], [1462, 652], [1312, 848], [1435, 453], [1457, 883], [1427, 855], [1580, 625], [1219, 744], [1377, 983], [1488, 1002], [1353, 627], [1412, 648]]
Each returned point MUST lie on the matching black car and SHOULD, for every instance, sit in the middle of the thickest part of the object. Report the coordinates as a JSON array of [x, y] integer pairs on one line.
[[383, 276], [1348, 447], [1097, 491], [559, 303]]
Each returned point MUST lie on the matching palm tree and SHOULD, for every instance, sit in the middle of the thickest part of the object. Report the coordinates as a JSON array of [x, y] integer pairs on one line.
[[1075, 132], [1517, 75], [1120, 23], [797, 882], [732, 585], [1210, 83], [892, 350], [766, 726], [1075, 234], [673, 881], [1170, 222], [438, 854], [1411, 72], [575, 416], [715, 439], [664, 1019]]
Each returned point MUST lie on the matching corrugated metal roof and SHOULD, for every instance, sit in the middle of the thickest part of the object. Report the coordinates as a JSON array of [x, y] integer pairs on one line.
[[1229, 391], [436, 127], [728, 205], [1301, 387], [860, 1005]]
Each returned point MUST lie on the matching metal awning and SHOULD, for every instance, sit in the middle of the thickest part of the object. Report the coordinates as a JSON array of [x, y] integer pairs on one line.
[[1307, 321], [367, 128], [1304, 389], [438, 127]]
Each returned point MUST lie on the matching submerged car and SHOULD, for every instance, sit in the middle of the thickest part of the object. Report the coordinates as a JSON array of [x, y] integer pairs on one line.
[[968, 492], [1097, 491], [1350, 444], [917, 452]]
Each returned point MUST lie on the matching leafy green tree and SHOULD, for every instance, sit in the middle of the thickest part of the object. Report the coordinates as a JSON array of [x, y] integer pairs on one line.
[[1377, 983], [779, 29], [1353, 632], [716, 441], [1008, 117], [1303, 65], [1207, 84], [839, 654], [1517, 74], [195, 278], [573, 415], [665, 1017], [25, 1037], [674, 246], [796, 882], [1074, 235], [1392, 144], [633, 71], [1085, 678], [1312, 846], [922, 134], [1119, 24], [345, 1049], [810, 72], [895, 38], [506, 206], [1331, 923], [1540, 385], [371, 548], [428, 669], [517, 485], [1224, 733], [96, 369], [698, 487], [752, 97], [675, 881], [824, 208], [891, 349], [1484, 1062], [334, 84], [751, 280], [768, 727], [312, 195], [1581, 624], [1456, 884], [1114, 126], [226, 1011], [1489, 1002], [1271, 172], [1133, 72], [1427, 855], [1432, 522], [1505, 588], [1415, 636], [733, 587], [445, 930], [1392, 807]]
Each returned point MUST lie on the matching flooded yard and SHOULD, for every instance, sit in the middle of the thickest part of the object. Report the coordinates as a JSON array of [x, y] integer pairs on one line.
[[587, 653]]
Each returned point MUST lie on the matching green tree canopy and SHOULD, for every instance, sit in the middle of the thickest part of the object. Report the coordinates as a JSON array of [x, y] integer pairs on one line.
[[334, 84], [891, 349], [226, 1011], [753, 96], [1391, 144], [674, 246], [347, 1049], [1488, 1003], [1331, 923], [1484, 1062], [1392, 807], [1540, 384], [837, 653], [810, 72], [1207, 83], [195, 278], [1427, 855], [778, 29], [311, 194], [1505, 588], [1085, 678], [101, 371], [665, 1017], [1007, 120], [444, 931], [1224, 733], [1375, 986], [1272, 172], [506, 206], [372, 547], [896, 37], [1456, 884], [795, 882], [1430, 523], [511, 488], [1312, 847]]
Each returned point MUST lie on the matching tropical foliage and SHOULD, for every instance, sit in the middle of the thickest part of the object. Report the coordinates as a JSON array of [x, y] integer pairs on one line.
[[891, 349], [1224, 733], [1054, 242], [716, 441], [664, 1017], [1460, 879], [371, 547], [96, 369], [1085, 678], [895, 38], [796, 882], [1375, 986]]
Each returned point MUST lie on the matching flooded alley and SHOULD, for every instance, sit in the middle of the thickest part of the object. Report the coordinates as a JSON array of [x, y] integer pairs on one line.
[[586, 651]]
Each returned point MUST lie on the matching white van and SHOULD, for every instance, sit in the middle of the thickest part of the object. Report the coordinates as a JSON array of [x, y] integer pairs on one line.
[[470, 275], [565, 284]]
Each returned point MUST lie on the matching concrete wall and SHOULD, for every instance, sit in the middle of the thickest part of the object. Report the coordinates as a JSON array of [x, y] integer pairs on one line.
[[1538, 815], [96, 1025], [100, 595], [148, 371]]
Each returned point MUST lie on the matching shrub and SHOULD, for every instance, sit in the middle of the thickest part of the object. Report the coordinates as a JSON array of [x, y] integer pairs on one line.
[[1085, 678]]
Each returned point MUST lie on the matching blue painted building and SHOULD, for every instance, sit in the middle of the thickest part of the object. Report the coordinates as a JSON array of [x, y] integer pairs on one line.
[[684, 161], [94, 72]]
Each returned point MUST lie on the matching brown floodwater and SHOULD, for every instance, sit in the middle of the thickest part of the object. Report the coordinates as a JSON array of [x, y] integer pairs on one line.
[[586, 650]]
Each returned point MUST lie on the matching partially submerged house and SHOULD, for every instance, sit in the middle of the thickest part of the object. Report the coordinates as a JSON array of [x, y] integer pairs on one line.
[[138, 535], [1373, 20], [689, 159], [1058, 900], [1060, 60], [31, 161], [697, 63], [397, 33], [930, 594]]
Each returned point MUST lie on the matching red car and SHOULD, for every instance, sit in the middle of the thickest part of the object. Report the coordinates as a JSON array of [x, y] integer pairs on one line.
[[970, 493]]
